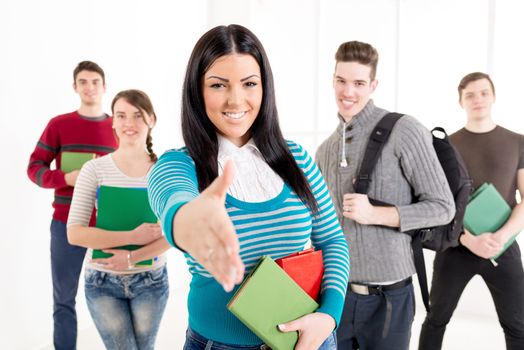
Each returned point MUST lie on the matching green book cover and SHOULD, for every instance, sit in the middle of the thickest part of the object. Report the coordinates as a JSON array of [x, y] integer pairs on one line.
[[267, 298], [487, 211], [123, 209], [74, 160]]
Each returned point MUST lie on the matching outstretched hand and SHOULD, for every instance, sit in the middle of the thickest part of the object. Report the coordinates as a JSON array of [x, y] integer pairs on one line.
[[203, 228]]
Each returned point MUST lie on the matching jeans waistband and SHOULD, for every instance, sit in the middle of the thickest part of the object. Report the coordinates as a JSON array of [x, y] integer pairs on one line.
[[364, 289]]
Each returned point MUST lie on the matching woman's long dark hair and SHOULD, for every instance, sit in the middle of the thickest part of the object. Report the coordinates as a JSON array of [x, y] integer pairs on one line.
[[199, 132]]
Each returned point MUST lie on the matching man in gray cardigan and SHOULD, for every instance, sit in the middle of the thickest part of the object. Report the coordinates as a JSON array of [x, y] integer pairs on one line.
[[379, 306]]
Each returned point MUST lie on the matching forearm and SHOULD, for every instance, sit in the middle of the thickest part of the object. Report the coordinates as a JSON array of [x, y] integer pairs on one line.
[[149, 251], [514, 224], [96, 238], [386, 216]]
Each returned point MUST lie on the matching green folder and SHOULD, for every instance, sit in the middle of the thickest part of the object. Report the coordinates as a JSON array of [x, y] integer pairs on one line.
[[487, 211], [123, 209], [267, 298], [74, 160]]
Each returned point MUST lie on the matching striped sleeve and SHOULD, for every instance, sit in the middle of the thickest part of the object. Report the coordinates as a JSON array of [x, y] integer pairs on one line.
[[326, 235], [171, 183], [84, 196], [45, 152]]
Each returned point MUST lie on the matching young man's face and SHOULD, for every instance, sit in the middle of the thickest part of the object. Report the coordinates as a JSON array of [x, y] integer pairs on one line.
[[353, 88], [90, 87], [477, 98]]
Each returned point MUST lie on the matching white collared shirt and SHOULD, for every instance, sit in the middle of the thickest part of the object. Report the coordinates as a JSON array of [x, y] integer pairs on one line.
[[254, 181]]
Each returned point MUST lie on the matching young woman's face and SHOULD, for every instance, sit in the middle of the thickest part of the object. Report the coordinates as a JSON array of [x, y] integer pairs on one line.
[[232, 90], [130, 123]]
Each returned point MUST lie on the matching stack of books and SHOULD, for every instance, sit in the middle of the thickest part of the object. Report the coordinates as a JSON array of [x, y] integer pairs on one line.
[[269, 297]]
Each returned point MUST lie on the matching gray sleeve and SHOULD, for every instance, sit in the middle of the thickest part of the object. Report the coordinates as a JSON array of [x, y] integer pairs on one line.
[[422, 169]]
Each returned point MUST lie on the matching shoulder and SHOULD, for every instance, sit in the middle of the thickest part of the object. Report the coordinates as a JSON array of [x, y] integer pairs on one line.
[[67, 117], [175, 154], [297, 151], [409, 129], [98, 164], [508, 133], [325, 146], [62, 119]]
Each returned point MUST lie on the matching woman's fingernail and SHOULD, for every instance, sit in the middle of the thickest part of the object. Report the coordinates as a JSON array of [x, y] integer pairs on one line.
[[282, 327]]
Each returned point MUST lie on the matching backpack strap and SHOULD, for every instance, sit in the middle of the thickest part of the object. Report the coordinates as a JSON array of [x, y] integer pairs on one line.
[[378, 138], [420, 265]]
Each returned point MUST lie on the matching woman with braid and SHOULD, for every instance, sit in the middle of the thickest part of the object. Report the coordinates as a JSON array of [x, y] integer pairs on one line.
[[126, 301]]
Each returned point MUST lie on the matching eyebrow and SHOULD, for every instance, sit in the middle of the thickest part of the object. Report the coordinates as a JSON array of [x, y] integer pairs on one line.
[[95, 79], [227, 80]]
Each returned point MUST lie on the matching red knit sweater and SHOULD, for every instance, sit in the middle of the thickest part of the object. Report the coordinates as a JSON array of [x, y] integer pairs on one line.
[[68, 132]]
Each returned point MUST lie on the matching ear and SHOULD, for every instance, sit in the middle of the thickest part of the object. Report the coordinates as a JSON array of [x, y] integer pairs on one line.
[[373, 85]]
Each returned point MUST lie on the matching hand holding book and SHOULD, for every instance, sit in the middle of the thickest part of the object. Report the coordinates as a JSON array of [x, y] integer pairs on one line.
[[487, 212]]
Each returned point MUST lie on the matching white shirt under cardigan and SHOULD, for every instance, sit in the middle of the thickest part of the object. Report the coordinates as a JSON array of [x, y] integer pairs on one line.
[[254, 180]]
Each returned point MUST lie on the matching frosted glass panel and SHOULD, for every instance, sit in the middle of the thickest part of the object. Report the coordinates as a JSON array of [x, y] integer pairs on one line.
[[440, 42], [508, 72], [369, 21], [289, 34]]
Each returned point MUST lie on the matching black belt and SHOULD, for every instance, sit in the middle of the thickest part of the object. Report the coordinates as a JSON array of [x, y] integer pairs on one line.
[[364, 289]]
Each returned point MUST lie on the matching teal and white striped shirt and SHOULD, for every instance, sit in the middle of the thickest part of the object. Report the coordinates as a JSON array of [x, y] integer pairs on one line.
[[276, 227]]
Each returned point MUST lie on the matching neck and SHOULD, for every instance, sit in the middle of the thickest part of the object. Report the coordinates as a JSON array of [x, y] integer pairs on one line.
[[131, 153], [480, 125], [90, 111]]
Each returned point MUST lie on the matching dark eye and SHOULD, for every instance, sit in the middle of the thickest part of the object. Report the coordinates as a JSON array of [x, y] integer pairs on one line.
[[216, 85], [251, 84]]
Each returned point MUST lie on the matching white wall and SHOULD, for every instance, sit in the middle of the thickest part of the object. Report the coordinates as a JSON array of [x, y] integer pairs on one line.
[[425, 48]]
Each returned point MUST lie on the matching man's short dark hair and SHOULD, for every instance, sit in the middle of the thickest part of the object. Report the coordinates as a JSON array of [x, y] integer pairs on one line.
[[90, 67], [356, 51]]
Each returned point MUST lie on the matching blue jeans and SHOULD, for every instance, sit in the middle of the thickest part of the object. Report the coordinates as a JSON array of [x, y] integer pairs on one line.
[[66, 266], [195, 341], [363, 320], [127, 309]]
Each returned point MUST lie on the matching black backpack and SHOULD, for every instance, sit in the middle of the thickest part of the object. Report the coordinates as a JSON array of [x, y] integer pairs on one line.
[[437, 238]]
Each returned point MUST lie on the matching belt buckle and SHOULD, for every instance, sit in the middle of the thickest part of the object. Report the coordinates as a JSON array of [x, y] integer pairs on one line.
[[359, 289]]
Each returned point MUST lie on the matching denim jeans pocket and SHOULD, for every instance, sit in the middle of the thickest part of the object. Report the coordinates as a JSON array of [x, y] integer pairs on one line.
[[94, 278], [157, 275]]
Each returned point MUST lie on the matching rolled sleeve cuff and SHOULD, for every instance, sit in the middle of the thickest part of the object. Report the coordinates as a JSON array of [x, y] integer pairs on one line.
[[332, 304]]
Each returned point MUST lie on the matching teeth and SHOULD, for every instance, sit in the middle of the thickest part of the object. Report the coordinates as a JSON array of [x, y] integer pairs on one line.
[[348, 102], [234, 115]]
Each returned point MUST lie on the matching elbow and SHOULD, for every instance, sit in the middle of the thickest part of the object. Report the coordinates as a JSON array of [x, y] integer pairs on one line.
[[72, 235], [448, 212]]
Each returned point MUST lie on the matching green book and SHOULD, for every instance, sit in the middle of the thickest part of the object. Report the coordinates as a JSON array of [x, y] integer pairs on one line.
[[487, 211], [123, 209], [267, 298], [74, 160]]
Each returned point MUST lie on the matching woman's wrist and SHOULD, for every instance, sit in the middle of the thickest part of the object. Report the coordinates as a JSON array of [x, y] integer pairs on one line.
[[129, 260]]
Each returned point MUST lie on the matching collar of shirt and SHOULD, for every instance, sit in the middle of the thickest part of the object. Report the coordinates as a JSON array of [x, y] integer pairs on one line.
[[254, 181]]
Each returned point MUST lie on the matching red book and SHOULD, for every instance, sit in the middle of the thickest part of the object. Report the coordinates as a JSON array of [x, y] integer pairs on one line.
[[306, 268]]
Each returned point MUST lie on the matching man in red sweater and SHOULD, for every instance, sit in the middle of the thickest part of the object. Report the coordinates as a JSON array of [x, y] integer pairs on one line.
[[87, 130]]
